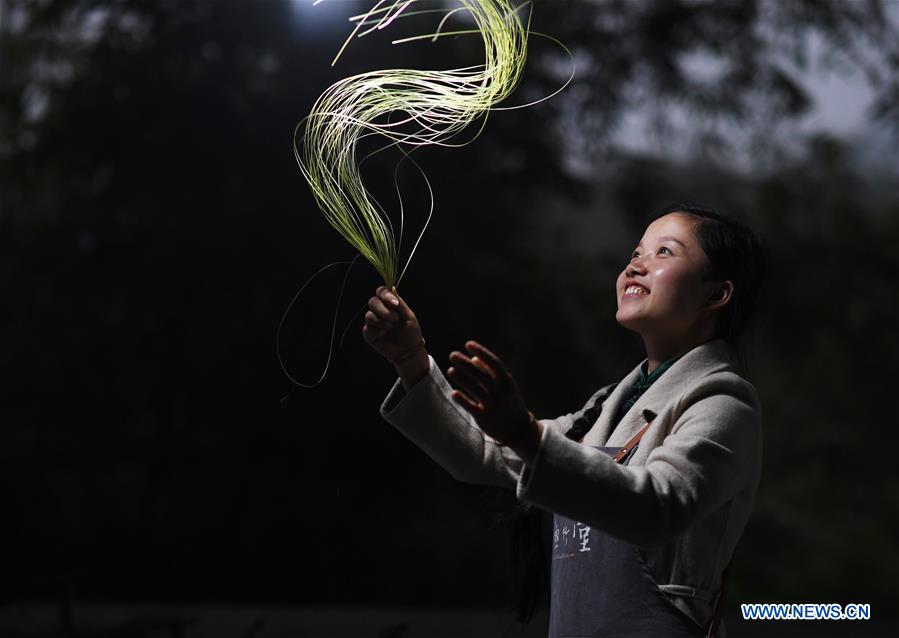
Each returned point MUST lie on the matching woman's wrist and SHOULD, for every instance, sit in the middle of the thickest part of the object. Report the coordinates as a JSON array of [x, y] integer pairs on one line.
[[527, 441], [412, 365], [409, 353]]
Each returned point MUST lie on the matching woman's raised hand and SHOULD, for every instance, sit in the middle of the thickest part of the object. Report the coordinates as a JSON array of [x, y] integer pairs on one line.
[[489, 392], [391, 327]]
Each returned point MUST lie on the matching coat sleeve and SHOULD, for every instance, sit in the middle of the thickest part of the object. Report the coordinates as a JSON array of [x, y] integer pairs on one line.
[[710, 453], [428, 416]]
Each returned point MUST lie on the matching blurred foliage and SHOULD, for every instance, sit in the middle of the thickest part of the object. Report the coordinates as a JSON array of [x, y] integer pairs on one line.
[[153, 227]]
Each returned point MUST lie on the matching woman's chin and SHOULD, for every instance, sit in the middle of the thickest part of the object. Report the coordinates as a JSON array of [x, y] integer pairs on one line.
[[628, 321]]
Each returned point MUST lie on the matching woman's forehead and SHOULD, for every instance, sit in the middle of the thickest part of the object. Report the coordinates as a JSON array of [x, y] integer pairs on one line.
[[673, 226]]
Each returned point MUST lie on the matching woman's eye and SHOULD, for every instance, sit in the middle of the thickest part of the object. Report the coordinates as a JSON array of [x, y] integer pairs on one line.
[[635, 254], [665, 248]]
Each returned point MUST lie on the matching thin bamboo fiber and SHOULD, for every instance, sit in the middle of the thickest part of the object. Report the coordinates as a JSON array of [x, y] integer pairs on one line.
[[409, 108]]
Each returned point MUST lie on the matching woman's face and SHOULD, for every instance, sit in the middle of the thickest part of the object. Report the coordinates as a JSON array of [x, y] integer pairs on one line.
[[660, 292]]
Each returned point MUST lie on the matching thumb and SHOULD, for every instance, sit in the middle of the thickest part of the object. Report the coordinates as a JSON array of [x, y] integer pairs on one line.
[[403, 310]]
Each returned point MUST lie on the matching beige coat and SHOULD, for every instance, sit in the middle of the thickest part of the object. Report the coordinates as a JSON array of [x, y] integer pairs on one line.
[[686, 494]]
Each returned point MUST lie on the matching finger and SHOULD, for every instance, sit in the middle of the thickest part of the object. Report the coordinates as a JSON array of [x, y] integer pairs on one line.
[[372, 319], [389, 297], [504, 383], [476, 367], [489, 357], [471, 406], [377, 306], [376, 322], [371, 334], [382, 294], [468, 383], [400, 306]]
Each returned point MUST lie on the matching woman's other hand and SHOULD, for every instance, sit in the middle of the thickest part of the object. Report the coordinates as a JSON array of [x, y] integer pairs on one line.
[[489, 393]]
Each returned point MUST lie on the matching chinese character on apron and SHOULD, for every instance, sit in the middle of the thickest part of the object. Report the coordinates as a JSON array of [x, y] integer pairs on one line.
[[601, 586]]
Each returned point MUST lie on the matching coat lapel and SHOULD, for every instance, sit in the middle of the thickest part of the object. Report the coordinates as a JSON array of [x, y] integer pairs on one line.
[[599, 433], [674, 382]]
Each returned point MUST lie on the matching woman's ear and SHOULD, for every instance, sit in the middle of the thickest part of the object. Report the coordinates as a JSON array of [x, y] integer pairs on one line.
[[721, 295]]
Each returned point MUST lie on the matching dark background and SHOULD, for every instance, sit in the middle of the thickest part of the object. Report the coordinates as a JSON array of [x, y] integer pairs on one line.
[[154, 227]]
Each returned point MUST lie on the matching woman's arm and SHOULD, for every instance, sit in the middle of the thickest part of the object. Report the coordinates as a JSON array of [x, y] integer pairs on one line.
[[711, 453], [426, 414]]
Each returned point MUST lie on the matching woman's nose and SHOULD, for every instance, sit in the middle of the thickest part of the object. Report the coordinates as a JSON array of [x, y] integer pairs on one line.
[[635, 267]]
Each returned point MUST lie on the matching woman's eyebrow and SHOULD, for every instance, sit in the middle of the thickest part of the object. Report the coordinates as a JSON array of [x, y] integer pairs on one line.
[[666, 238], [674, 239]]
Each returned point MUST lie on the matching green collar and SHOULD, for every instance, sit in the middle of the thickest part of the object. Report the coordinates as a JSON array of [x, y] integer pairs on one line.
[[644, 378], [647, 380], [642, 385]]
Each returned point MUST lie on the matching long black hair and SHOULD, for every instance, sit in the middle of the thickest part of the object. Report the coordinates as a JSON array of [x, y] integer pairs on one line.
[[734, 252]]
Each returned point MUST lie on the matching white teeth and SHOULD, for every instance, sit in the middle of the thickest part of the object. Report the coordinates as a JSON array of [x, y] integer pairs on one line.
[[636, 290]]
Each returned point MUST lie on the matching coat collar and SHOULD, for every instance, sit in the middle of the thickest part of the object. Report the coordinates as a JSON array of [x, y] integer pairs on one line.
[[705, 358]]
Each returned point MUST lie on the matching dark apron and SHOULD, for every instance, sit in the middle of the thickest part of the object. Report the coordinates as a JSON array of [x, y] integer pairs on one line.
[[602, 588]]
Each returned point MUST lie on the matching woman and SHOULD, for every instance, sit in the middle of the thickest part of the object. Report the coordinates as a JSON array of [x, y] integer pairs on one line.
[[652, 482]]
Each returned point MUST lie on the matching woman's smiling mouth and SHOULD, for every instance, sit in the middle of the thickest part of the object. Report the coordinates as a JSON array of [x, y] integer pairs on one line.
[[633, 288]]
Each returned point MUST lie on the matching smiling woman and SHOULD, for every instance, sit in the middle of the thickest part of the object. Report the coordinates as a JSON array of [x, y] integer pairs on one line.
[[652, 482], [662, 293]]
